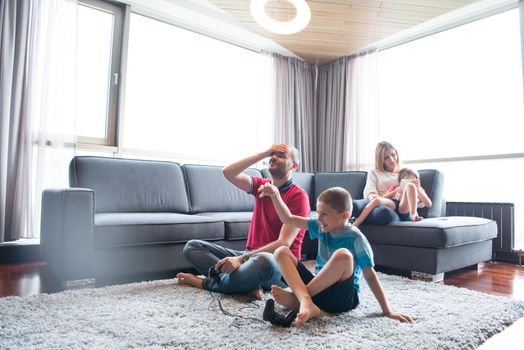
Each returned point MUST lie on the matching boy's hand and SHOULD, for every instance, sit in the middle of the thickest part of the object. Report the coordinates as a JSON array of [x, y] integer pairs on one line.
[[400, 317], [268, 190]]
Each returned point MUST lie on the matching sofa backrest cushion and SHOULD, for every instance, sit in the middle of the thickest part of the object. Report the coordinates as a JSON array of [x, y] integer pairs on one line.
[[209, 191], [352, 181], [130, 185], [306, 181], [432, 181]]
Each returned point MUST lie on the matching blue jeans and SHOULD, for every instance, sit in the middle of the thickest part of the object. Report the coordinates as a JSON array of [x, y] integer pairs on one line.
[[381, 215], [260, 271]]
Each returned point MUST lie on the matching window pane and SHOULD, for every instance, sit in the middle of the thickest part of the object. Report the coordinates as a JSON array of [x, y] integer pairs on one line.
[[191, 96], [455, 93], [95, 31], [485, 181]]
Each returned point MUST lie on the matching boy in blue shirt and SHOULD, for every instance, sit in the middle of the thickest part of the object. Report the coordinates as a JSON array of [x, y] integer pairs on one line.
[[343, 256]]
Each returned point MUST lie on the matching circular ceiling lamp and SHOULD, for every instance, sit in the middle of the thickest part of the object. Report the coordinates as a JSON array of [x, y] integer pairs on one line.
[[301, 20]]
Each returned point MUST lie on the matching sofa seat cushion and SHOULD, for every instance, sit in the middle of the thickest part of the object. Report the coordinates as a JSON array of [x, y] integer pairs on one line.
[[442, 232], [124, 229], [236, 223]]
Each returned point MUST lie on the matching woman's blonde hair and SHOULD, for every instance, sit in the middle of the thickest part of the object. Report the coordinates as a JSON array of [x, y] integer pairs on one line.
[[379, 156]]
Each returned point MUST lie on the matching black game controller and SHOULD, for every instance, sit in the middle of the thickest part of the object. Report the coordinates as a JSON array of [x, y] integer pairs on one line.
[[214, 274], [275, 318]]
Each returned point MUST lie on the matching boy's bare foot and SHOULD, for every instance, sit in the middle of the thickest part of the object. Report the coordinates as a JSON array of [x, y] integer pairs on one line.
[[307, 311], [257, 294], [284, 297], [189, 279]]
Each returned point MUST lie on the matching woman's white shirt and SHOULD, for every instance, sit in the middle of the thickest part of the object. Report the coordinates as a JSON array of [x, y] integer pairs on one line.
[[379, 182]]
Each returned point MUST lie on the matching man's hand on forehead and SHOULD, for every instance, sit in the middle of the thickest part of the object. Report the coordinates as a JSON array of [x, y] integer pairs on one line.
[[279, 154], [280, 150]]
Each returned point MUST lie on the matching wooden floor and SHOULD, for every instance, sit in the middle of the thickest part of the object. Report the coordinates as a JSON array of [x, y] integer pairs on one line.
[[492, 278]]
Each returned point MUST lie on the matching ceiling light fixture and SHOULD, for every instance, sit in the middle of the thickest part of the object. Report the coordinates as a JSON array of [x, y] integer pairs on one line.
[[301, 20]]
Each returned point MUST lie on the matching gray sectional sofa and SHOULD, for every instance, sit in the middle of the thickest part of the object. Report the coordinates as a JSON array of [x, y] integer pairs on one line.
[[125, 217], [428, 248]]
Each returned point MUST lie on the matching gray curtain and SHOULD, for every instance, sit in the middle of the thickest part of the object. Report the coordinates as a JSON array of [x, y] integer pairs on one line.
[[331, 132], [14, 125], [295, 106]]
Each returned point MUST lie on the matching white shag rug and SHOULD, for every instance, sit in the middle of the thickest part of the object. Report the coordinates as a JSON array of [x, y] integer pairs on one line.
[[163, 314]]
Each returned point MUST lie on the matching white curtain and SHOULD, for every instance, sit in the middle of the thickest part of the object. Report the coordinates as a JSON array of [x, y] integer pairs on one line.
[[361, 112], [52, 100], [37, 105]]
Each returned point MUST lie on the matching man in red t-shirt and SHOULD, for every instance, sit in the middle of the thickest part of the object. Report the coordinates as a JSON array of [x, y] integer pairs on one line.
[[254, 269]]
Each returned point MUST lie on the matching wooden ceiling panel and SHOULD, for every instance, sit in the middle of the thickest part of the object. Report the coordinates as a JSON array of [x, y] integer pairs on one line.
[[340, 27]]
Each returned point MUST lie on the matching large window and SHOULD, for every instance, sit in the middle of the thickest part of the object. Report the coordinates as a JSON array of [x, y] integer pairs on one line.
[[191, 97], [454, 101]]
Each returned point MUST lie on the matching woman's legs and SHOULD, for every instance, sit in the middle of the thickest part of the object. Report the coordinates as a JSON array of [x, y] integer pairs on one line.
[[375, 202], [381, 215]]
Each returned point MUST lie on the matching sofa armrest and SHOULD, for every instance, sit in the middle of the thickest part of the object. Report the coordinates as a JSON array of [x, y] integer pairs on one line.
[[66, 232], [432, 181]]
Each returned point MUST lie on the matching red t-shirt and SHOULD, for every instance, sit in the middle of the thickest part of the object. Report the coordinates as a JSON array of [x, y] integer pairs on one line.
[[265, 224]]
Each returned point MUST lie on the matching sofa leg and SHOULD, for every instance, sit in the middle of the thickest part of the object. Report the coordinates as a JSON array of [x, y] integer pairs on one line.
[[421, 276]]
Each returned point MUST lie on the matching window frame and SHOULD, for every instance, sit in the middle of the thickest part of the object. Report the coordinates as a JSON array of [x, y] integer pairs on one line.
[[123, 150], [114, 77]]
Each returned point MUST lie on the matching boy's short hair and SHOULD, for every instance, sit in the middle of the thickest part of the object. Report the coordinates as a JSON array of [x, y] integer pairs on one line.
[[407, 172], [338, 198]]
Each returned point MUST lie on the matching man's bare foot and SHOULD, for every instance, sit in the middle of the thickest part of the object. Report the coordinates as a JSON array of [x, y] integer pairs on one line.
[[308, 310], [284, 297], [257, 294], [189, 279]]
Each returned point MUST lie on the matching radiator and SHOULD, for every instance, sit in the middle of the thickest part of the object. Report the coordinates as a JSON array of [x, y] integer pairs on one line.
[[501, 213]]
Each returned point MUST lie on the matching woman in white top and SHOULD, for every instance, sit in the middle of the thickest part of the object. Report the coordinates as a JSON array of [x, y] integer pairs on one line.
[[405, 198], [385, 175]]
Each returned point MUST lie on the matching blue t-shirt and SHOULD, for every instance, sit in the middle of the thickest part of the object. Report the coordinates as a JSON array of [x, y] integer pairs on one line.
[[350, 238]]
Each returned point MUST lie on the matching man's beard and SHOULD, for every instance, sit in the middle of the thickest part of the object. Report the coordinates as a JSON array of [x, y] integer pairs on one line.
[[278, 172]]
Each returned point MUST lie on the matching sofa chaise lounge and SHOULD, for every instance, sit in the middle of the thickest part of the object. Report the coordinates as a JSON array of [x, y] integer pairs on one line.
[[124, 217]]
